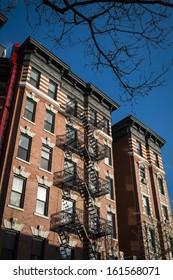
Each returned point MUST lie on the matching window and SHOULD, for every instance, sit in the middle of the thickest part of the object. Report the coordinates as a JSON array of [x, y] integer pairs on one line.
[[94, 180], [139, 147], [71, 136], [29, 112], [18, 192], [108, 158], [35, 78], [46, 158], [42, 200], [160, 184], [156, 159], [69, 207], [170, 242], [49, 121], [110, 187], [142, 173], [146, 205], [94, 148], [24, 147], [37, 249], [93, 117], [95, 221], [9, 245], [111, 223], [71, 107], [52, 89], [69, 170], [106, 125], [165, 214], [151, 239], [66, 253]]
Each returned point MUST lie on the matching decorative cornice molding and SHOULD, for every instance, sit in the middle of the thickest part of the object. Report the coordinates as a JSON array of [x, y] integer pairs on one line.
[[43, 181], [31, 95], [50, 107], [26, 130], [12, 224], [47, 142], [39, 231], [20, 171]]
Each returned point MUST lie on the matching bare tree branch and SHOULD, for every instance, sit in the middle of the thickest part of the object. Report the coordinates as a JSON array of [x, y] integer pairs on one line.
[[120, 35]]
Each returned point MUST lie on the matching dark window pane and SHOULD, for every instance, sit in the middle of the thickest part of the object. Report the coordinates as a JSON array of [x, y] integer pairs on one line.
[[52, 89], [49, 121], [37, 249], [46, 158], [9, 245], [29, 112], [24, 147], [35, 77]]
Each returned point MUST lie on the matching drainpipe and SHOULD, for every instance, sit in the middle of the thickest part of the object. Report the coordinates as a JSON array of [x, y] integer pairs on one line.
[[9, 93]]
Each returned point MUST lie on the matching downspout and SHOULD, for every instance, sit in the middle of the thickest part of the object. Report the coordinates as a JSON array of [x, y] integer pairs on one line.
[[9, 94]]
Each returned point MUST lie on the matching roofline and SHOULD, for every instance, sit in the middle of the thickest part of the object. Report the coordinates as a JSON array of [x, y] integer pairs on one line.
[[87, 87], [131, 119], [3, 20]]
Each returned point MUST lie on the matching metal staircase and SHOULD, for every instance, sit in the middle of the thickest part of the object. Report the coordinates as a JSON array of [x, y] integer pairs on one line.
[[90, 227]]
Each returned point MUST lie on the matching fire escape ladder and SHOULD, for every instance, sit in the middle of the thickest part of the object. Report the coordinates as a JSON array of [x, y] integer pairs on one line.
[[92, 142], [85, 238], [64, 238]]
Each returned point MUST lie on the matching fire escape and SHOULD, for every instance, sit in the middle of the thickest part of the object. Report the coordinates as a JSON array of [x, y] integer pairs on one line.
[[86, 223]]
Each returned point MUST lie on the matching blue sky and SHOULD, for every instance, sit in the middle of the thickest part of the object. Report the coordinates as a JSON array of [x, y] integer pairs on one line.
[[155, 110]]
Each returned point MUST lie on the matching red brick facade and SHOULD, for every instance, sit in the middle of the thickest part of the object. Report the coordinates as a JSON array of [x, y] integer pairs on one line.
[[37, 180], [143, 208]]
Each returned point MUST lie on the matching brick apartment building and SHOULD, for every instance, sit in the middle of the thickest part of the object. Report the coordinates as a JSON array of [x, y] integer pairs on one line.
[[65, 193], [57, 193], [145, 225]]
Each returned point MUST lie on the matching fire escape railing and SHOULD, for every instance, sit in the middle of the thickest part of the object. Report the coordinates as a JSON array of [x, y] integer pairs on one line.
[[97, 150], [73, 144], [74, 178], [71, 221]]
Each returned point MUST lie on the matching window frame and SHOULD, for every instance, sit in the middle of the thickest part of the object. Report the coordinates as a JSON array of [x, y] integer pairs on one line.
[[146, 205], [161, 185], [106, 126], [32, 118], [165, 213], [110, 195], [44, 159], [44, 202], [111, 222], [41, 255], [108, 152], [156, 159], [35, 82], [27, 151], [151, 239], [71, 110], [5, 244], [51, 124], [22, 193], [93, 120], [51, 93], [139, 147]]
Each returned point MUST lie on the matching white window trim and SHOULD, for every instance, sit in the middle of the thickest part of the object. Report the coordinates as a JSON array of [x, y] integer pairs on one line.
[[26, 130], [46, 141], [50, 107], [31, 95], [20, 171]]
